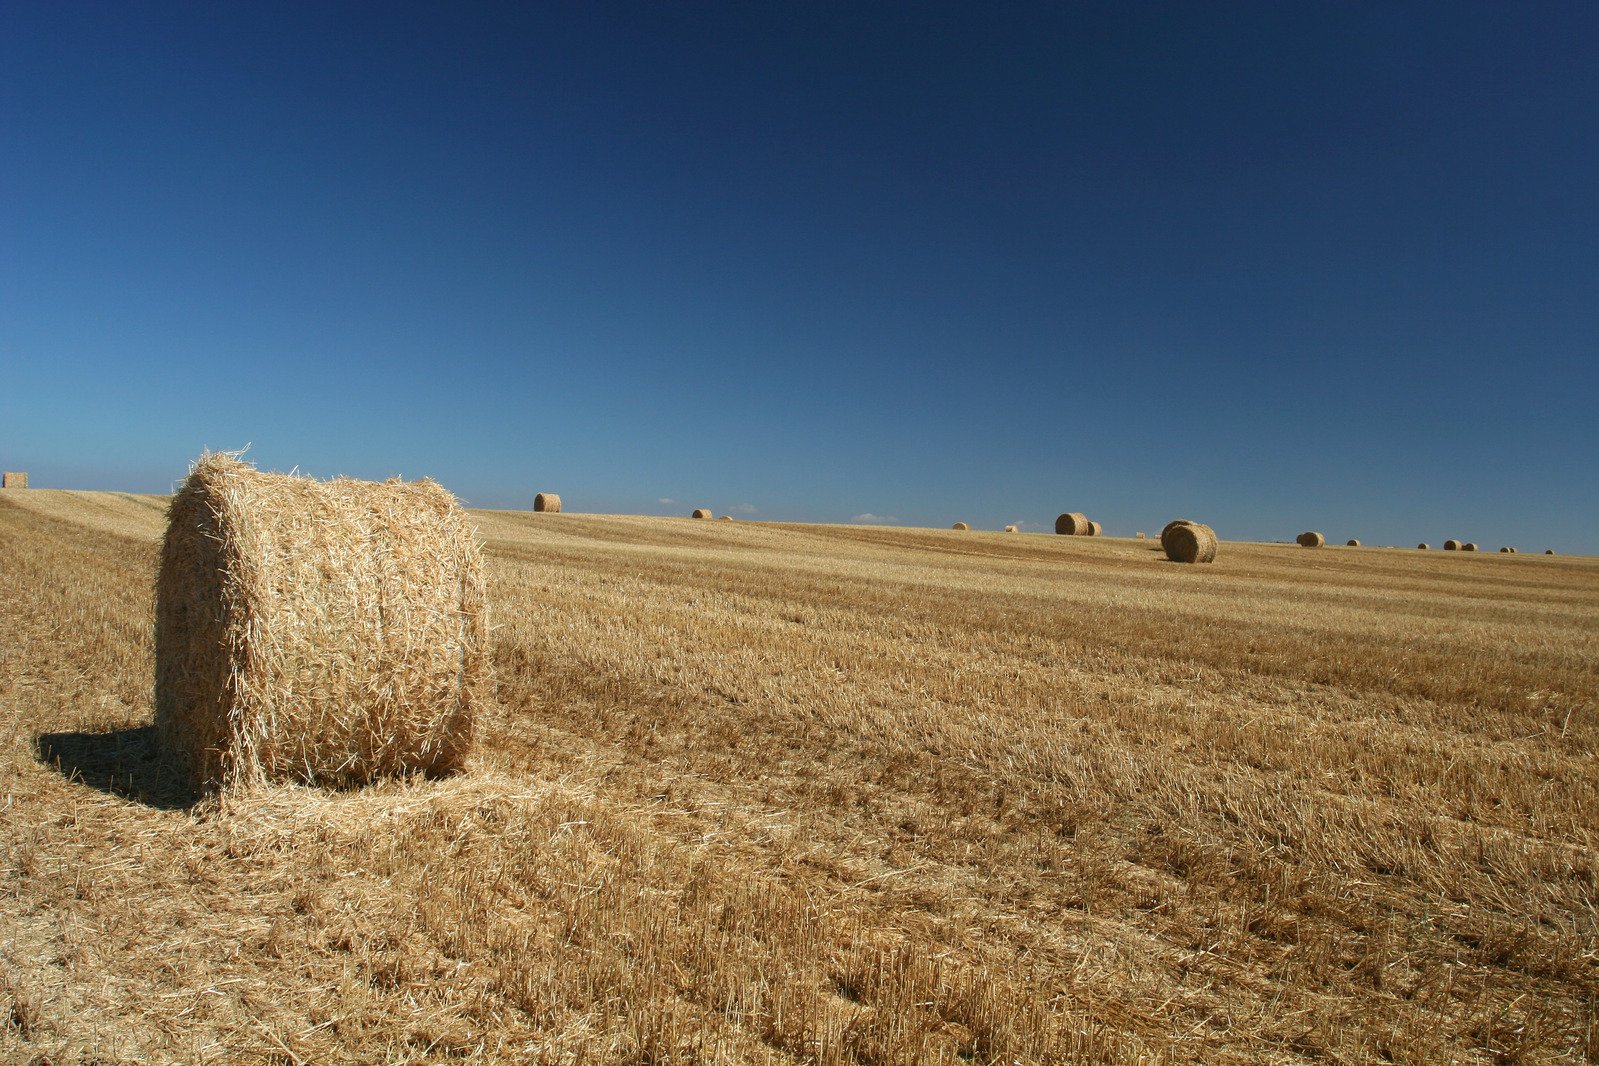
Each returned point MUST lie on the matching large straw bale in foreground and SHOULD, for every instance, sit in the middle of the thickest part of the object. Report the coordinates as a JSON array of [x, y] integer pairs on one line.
[[321, 631], [1310, 539], [1072, 524], [547, 501], [13, 479], [1189, 542]]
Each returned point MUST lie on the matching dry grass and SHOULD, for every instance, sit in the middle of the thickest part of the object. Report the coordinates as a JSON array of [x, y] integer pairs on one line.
[[756, 793], [328, 631]]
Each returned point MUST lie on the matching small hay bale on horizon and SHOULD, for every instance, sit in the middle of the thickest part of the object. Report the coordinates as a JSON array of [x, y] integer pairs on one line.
[[1010, 529], [548, 502], [1508, 550], [1469, 546], [1095, 529], [1189, 542], [1451, 545], [725, 518], [1072, 524], [1548, 551], [1424, 546], [328, 632], [700, 512], [1351, 543], [1139, 536], [961, 526], [13, 479], [1310, 539]]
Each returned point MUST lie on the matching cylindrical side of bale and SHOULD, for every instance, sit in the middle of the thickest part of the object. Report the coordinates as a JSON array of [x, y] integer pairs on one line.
[[547, 501], [1451, 545], [961, 526], [321, 631], [1095, 529], [1310, 539], [1072, 524], [1351, 543], [725, 518], [1469, 546], [700, 512], [1190, 542], [1424, 546], [1010, 529]]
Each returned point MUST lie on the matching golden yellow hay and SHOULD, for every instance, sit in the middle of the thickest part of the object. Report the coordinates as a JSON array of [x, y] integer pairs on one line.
[[1351, 543], [1072, 524], [1189, 542], [1451, 545], [960, 525], [321, 631], [547, 501], [726, 518], [1095, 529], [700, 512], [1310, 539], [1010, 529], [14, 479]]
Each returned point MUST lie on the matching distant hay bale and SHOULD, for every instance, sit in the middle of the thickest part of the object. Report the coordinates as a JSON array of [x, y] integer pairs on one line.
[[13, 479], [961, 526], [1451, 545], [547, 501], [1072, 524], [1095, 529], [725, 518], [1424, 546], [330, 632], [700, 512], [1351, 543], [1189, 542], [1508, 551], [1010, 529], [1140, 536], [1469, 546], [1548, 551], [1310, 539]]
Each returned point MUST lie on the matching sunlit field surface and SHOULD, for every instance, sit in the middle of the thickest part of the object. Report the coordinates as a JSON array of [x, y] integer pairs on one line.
[[766, 793]]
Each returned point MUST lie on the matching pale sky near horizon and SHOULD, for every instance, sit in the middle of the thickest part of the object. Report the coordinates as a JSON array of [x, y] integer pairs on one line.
[[1274, 267]]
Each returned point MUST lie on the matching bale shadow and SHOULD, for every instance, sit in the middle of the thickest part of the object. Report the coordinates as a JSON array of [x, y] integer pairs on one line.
[[127, 763]]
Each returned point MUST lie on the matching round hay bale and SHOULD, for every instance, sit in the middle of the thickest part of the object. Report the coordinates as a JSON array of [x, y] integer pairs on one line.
[[1451, 545], [1310, 539], [725, 518], [1140, 536], [1508, 551], [1190, 542], [1095, 529], [1469, 546], [1010, 529], [547, 501], [331, 632], [1351, 543], [700, 512], [1548, 551], [961, 526], [1072, 524], [1424, 546]]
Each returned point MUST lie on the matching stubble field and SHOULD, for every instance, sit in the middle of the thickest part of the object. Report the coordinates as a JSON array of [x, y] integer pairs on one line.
[[764, 793]]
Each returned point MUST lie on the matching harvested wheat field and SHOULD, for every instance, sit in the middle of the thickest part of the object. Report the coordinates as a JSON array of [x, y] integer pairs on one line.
[[753, 793]]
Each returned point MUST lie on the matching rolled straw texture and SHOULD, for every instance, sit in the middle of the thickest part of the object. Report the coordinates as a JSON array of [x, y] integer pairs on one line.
[[1095, 529], [1165, 531], [1469, 546], [13, 479], [1189, 542], [1072, 524], [547, 501], [700, 512], [1451, 545], [960, 525], [1310, 539], [1351, 543], [331, 632]]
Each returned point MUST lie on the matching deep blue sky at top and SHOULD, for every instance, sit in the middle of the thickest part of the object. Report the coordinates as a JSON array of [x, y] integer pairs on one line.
[[1276, 266]]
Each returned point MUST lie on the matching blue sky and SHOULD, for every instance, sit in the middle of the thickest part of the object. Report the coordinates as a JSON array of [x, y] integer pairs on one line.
[[1272, 266]]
